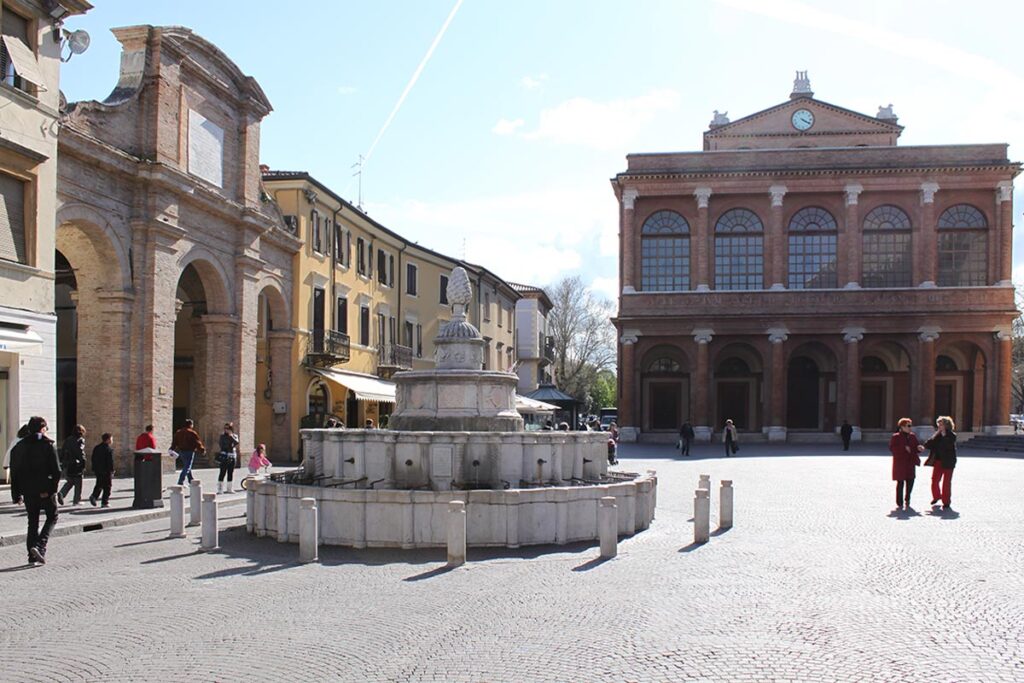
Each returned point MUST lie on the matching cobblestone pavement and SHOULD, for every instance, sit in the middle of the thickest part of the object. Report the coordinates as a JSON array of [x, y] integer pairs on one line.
[[820, 580]]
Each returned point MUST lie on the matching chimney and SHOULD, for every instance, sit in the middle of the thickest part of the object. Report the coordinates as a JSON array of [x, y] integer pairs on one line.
[[801, 86]]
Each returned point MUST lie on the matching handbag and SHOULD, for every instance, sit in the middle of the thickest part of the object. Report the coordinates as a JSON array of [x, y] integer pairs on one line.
[[679, 445], [224, 458], [931, 460]]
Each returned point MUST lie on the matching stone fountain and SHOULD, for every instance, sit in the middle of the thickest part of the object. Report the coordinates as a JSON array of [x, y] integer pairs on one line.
[[455, 435]]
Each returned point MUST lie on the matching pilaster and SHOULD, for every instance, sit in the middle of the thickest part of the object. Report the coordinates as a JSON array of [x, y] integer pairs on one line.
[[851, 240], [777, 408], [628, 240], [1004, 237], [701, 385], [775, 246], [703, 241], [926, 239], [925, 371], [852, 337], [629, 429]]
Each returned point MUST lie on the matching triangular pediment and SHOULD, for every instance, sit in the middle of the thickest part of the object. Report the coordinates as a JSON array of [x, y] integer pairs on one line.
[[824, 121]]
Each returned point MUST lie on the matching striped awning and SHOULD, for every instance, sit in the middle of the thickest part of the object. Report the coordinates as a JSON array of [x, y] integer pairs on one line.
[[365, 387]]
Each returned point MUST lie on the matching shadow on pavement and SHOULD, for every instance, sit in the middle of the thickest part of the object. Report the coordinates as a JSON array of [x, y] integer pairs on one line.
[[591, 564], [690, 548], [430, 573]]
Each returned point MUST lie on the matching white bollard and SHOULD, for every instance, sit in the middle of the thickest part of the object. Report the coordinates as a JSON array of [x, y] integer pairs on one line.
[[725, 505], [177, 511], [195, 510], [701, 516], [309, 532], [608, 526], [210, 540], [456, 533], [705, 482]]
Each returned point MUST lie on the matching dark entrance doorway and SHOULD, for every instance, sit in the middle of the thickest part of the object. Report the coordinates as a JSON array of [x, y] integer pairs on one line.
[[665, 405], [872, 406], [944, 402], [733, 404], [803, 394]]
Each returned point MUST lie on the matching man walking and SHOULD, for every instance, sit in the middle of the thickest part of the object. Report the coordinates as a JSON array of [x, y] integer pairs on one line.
[[103, 468], [72, 455], [685, 438], [846, 432], [187, 443], [146, 439], [35, 470]]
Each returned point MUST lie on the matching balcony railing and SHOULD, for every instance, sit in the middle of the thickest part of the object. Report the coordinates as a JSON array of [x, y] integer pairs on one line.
[[325, 348], [547, 349], [393, 357]]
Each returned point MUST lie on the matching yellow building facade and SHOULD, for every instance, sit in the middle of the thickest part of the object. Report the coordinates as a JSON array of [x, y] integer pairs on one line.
[[367, 303]]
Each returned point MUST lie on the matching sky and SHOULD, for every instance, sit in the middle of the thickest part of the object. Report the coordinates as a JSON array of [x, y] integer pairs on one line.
[[491, 129]]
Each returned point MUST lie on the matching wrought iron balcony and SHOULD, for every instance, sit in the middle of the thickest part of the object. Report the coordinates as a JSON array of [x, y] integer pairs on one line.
[[325, 348], [547, 350], [392, 358]]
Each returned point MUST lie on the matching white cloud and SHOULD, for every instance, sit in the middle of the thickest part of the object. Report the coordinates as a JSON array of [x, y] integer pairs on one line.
[[346, 89], [607, 126], [507, 126], [533, 82], [608, 287]]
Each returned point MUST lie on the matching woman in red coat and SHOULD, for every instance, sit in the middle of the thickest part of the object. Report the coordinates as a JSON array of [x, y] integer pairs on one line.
[[904, 448]]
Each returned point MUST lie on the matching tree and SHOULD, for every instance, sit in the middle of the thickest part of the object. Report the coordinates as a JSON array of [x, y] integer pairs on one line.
[[1017, 355], [580, 323]]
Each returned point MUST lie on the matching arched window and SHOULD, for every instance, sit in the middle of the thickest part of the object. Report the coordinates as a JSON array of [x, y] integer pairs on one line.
[[665, 253], [963, 247], [733, 367], [873, 364], [886, 253], [945, 364], [812, 249], [664, 364], [739, 250]]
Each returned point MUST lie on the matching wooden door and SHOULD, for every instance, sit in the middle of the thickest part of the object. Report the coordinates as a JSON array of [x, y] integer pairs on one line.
[[733, 404], [665, 405], [872, 406]]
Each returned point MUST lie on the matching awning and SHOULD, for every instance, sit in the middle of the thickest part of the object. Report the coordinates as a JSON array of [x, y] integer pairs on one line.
[[366, 387], [24, 61], [528, 405], [20, 340]]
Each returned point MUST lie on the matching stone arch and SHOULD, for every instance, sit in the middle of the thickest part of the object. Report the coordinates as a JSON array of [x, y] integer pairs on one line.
[[666, 351], [737, 385], [272, 369]]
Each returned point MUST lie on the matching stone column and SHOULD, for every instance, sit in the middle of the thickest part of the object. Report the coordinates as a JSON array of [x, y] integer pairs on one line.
[[851, 392], [1000, 421], [777, 407], [851, 241], [702, 242], [279, 354], [926, 241], [701, 386], [628, 238], [215, 357], [1004, 238], [629, 419], [925, 421], [775, 245]]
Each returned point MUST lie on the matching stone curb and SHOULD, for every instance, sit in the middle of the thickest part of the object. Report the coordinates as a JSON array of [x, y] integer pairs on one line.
[[136, 517]]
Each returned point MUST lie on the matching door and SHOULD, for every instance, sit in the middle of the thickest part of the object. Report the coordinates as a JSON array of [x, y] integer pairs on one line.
[[944, 404], [665, 405], [734, 404], [872, 406], [319, 310], [803, 394]]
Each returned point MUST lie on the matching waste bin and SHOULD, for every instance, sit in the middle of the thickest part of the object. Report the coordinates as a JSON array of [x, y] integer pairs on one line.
[[149, 485]]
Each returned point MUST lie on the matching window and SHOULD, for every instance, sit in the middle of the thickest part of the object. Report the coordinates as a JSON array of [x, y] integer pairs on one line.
[[382, 267], [338, 253], [314, 222], [665, 253], [364, 325], [348, 248], [501, 313], [16, 27], [419, 340], [327, 235], [392, 325], [963, 246], [739, 250], [407, 336], [410, 279], [369, 260], [381, 329], [361, 259], [12, 219], [945, 364], [319, 314], [812, 249], [391, 270], [664, 364], [487, 307], [872, 364], [444, 290], [341, 319], [886, 252]]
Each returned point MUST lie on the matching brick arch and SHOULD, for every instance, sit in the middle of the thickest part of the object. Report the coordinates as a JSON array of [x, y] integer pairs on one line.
[[272, 289], [213, 277], [91, 245], [665, 350]]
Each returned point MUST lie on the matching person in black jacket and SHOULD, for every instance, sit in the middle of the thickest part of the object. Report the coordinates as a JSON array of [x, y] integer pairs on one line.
[[35, 470], [943, 456], [72, 456], [685, 438], [227, 458], [846, 433], [103, 468]]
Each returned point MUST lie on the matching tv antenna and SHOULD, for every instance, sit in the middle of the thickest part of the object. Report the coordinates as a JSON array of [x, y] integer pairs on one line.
[[359, 173]]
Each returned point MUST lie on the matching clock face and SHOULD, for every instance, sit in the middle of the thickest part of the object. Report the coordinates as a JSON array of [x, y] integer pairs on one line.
[[802, 119]]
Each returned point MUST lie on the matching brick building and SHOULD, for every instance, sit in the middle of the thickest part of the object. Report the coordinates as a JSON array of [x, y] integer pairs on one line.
[[167, 246], [805, 269]]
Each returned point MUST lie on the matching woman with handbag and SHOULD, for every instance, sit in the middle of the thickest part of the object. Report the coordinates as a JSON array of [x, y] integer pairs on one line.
[[227, 458], [904, 448], [942, 460], [730, 438]]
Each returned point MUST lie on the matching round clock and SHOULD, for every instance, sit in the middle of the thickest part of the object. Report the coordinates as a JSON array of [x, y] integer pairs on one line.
[[802, 119]]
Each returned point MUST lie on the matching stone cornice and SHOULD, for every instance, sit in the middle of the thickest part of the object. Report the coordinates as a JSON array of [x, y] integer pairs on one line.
[[779, 173]]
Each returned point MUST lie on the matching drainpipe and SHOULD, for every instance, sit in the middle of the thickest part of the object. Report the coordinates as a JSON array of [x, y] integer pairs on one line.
[[334, 266]]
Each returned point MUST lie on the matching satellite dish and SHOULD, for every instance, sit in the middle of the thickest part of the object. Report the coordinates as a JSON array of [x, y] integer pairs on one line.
[[78, 42]]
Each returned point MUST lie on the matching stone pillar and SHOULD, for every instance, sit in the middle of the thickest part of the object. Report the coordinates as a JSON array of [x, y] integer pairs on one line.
[[701, 516], [776, 246], [926, 240], [851, 241], [851, 392], [456, 523], [704, 482], [279, 354], [702, 242], [309, 530], [629, 417], [725, 505], [925, 420], [701, 386], [777, 375], [1004, 238], [210, 533], [195, 500], [177, 511], [608, 527], [628, 239], [1000, 420]]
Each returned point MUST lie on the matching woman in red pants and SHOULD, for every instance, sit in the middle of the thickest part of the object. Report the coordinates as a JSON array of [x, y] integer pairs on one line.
[[904, 448], [943, 458]]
